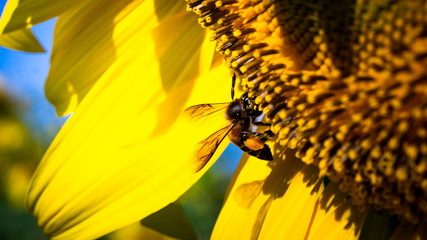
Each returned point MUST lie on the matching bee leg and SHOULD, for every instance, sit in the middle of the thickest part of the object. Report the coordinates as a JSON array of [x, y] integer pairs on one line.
[[244, 96], [269, 133], [264, 136], [243, 136], [261, 124]]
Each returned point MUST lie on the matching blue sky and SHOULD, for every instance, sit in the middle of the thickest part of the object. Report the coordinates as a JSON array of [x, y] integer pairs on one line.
[[22, 77]]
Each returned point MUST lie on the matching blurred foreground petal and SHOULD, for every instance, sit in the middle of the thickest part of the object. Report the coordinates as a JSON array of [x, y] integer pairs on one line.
[[19, 14], [112, 163], [93, 37], [21, 40], [125, 153]]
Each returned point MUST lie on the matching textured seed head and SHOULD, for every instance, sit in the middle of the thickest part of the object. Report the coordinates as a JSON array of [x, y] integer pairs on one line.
[[345, 84]]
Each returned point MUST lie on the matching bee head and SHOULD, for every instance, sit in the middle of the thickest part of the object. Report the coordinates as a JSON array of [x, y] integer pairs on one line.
[[235, 110]]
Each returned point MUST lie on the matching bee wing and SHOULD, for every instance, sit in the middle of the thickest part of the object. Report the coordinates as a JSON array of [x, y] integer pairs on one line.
[[199, 111], [207, 147]]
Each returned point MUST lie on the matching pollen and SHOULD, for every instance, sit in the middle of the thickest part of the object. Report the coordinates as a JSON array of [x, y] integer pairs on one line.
[[345, 84]]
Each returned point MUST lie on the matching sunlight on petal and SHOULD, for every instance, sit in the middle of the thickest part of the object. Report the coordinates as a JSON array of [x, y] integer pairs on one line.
[[244, 203], [335, 217], [290, 213], [21, 40], [123, 148], [25, 14], [253, 189], [282, 200], [110, 164], [106, 32]]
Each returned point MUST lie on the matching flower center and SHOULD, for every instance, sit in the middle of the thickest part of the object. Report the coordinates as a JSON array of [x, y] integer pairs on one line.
[[343, 82]]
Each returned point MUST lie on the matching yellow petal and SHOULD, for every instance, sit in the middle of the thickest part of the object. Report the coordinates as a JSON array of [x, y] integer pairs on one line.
[[335, 217], [24, 14], [112, 164], [90, 38], [244, 203], [123, 154], [22, 40], [284, 200], [254, 187], [290, 212]]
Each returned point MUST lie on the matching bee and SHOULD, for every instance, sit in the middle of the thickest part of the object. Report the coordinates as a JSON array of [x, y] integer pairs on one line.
[[242, 114]]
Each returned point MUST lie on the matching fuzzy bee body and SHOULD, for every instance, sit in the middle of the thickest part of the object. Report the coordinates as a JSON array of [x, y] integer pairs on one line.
[[241, 114]]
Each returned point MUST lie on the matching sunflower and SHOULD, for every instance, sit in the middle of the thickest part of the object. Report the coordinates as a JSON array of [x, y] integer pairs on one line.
[[342, 85]]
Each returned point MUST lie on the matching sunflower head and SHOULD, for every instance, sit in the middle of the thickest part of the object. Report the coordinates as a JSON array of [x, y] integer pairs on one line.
[[343, 83]]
